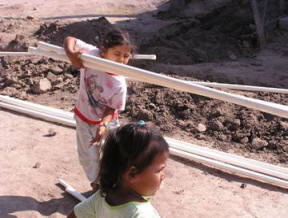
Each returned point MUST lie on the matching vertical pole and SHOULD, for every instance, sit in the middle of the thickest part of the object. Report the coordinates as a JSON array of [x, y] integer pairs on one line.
[[259, 23]]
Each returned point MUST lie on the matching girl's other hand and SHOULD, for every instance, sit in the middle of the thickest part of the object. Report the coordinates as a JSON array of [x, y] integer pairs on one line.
[[99, 134]]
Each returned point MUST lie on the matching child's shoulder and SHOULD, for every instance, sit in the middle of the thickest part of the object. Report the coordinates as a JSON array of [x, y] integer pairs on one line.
[[143, 210]]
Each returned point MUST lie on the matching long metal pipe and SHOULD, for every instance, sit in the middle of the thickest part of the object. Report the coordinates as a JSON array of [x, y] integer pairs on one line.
[[72, 191], [37, 114], [231, 169], [59, 50], [242, 87], [37, 107], [166, 81], [200, 155], [199, 150], [230, 160]]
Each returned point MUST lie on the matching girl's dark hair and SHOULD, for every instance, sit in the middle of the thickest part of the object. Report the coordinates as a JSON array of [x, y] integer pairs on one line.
[[129, 145], [116, 37]]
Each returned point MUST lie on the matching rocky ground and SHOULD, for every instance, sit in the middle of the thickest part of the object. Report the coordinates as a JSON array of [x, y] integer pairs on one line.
[[227, 126]]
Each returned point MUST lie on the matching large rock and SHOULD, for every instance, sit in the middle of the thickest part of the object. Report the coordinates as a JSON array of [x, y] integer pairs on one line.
[[258, 143], [56, 70], [144, 114], [284, 125], [201, 127], [41, 86]]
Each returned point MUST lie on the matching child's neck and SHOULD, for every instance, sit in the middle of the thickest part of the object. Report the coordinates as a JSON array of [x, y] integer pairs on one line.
[[123, 195]]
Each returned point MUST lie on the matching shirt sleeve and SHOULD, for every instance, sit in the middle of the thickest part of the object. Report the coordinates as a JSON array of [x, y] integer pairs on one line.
[[146, 214], [148, 211], [86, 209], [86, 48]]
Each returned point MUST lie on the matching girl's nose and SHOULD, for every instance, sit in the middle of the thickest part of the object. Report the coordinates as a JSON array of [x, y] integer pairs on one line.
[[162, 176], [121, 59]]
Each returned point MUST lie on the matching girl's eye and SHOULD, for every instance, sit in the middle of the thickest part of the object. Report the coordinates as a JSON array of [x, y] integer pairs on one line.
[[160, 170]]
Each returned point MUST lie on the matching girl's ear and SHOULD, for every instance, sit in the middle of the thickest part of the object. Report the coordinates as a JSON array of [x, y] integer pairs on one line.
[[102, 52], [132, 172]]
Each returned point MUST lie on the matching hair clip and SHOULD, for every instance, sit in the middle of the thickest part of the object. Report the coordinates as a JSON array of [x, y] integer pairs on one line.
[[141, 123]]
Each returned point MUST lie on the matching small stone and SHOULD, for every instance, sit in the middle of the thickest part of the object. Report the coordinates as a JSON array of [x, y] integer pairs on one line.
[[56, 70], [10, 91], [237, 122], [41, 86], [283, 158], [185, 114], [68, 76], [59, 80], [51, 132], [52, 77], [181, 123], [37, 165], [285, 147], [284, 125], [152, 106], [201, 127], [215, 125], [244, 140], [29, 17], [233, 57], [145, 115], [44, 85], [223, 137], [178, 192], [243, 185], [200, 137], [259, 143], [23, 96]]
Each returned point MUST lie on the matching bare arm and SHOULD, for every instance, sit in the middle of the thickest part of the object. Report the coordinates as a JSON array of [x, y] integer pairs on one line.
[[72, 53], [107, 118]]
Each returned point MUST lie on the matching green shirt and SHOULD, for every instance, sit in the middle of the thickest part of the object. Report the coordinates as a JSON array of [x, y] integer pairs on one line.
[[97, 207]]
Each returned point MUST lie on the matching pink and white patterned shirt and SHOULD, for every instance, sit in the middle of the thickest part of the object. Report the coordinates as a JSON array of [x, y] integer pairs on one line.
[[98, 90]]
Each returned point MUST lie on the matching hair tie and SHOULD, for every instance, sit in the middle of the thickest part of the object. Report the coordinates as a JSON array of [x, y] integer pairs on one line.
[[141, 123]]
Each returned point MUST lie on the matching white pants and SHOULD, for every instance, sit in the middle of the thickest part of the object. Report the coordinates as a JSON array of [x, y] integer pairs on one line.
[[89, 156]]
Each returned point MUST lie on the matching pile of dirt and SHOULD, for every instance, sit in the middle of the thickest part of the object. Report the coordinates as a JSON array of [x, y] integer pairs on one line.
[[210, 120], [90, 31], [23, 78], [227, 32]]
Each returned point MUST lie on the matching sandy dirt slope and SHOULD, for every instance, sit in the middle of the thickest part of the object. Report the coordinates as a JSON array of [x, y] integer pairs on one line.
[[32, 163], [63, 8]]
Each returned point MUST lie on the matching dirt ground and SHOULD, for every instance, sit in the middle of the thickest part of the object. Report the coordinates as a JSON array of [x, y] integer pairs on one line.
[[31, 163]]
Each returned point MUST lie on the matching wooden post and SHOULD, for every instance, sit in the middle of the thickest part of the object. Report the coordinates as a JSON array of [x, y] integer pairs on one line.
[[259, 23]]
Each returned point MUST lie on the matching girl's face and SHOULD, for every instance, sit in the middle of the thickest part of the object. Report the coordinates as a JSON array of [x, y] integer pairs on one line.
[[148, 181], [119, 53]]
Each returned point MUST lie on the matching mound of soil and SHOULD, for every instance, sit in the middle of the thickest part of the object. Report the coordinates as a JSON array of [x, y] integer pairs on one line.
[[90, 31], [227, 32], [211, 120]]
